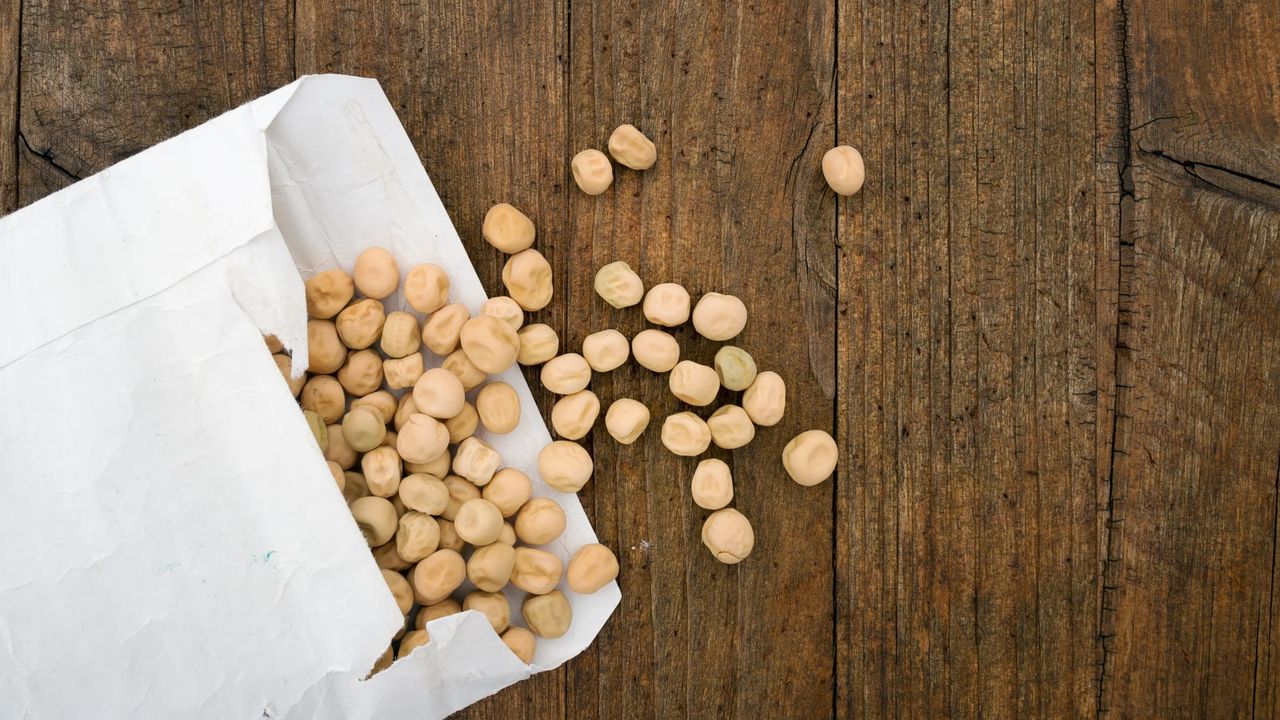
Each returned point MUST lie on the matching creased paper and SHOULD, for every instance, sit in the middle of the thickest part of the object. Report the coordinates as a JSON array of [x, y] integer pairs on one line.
[[171, 542]]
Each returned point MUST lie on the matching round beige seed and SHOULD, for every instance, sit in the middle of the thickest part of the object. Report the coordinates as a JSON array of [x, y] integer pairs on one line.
[[547, 615], [463, 425], [437, 468], [380, 400], [284, 364], [505, 309], [521, 643], [736, 368], [606, 350], [489, 567], [686, 434], [422, 439], [766, 400], [440, 331], [655, 350], [403, 372], [381, 469], [540, 521], [499, 407], [538, 344], [411, 641], [527, 277], [339, 451], [667, 304], [478, 522], [566, 466], [417, 536], [626, 420], [353, 487], [566, 374], [592, 171], [477, 461], [444, 608], [731, 427], [508, 229], [619, 285], [401, 334], [490, 343], [462, 368], [324, 396], [363, 429], [449, 539], [362, 373], [573, 415], [810, 457], [460, 492], [694, 383], [712, 486], [424, 493], [493, 605], [327, 293], [536, 571], [592, 567], [339, 476], [376, 273], [325, 351], [360, 323], [376, 518], [439, 393], [719, 317], [728, 535], [426, 288], [400, 590], [386, 558], [630, 147], [509, 490], [437, 576], [844, 170]]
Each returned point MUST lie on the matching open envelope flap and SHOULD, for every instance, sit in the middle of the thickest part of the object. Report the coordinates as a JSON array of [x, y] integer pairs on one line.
[[171, 544]]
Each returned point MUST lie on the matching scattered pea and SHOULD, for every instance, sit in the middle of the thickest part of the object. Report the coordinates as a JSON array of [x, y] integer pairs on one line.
[[810, 457], [592, 171], [630, 147]]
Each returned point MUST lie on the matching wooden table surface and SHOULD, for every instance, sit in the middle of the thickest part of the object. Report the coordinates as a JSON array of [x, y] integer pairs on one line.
[[1046, 334]]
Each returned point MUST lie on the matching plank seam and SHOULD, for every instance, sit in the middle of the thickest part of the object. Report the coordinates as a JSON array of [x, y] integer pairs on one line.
[[1110, 594]]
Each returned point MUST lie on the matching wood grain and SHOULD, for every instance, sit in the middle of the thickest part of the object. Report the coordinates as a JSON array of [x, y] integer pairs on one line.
[[1045, 334], [739, 100], [1198, 463], [10, 24], [968, 536], [102, 81]]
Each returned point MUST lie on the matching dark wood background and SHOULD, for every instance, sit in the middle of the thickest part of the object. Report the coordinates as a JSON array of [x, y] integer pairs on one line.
[[1046, 334]]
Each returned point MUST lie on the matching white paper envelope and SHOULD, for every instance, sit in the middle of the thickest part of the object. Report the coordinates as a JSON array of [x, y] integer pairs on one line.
[[171, 542]]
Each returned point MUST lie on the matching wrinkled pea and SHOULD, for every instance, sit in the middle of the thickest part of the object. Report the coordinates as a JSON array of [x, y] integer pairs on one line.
[[463, 425], [766, 400], [490, 344], [498, 406], [417, 536], [810, 457], [426, 288], [630, 147], [323, 394], [476, 460], [478, 522], [362, 373], [626, 420], [422, 439], [462, 368], [540, 521], [489, 567], [527, 277], [325, 351], [403, 372], [536, 571], [381, 469], [508, 229], [655, 350], [401, 334], [439, 393], [731, 427], [667, 304], [694, 383], [376, 273], [686, 434], [508, 490], [493, 605], [736, 368], [376, 518], [566, 374], [619, 285], [606, 350], [712, 486], [547, 615], [327, 293], [592, 171], [424, 493], [521, 643], [440, 331], [363, 429], [538, 344], [728, 535], [505, 309], [592, 567], [719, 317], [565, 466], [437, 576], [573, 415]]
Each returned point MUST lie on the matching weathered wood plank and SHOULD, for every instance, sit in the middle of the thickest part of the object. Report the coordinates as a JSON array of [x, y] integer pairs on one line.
[[968, 555], [101, 81], [1197, 458], [480, 88], [10, 23], [739, 100]]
